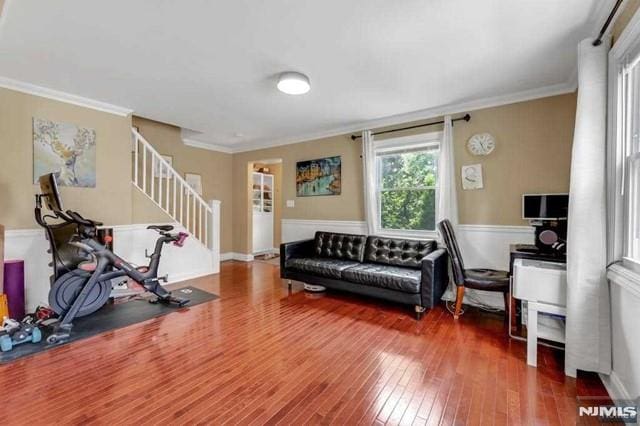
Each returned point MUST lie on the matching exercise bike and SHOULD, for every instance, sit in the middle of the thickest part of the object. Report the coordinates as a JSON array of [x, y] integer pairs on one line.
[[84, 269]]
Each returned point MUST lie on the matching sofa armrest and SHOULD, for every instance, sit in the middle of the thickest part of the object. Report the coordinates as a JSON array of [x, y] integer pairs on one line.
[[303, 248], [435, 277]]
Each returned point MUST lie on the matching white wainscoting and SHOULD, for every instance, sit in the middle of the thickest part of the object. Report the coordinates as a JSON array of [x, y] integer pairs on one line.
[[482, 246], [624, 380], [130, 241], [299, 229]]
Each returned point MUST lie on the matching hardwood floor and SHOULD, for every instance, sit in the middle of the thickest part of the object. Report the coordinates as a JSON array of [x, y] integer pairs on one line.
[[262, 355]]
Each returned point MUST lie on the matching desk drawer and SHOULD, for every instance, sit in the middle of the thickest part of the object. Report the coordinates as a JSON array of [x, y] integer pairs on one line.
[[539, 281]]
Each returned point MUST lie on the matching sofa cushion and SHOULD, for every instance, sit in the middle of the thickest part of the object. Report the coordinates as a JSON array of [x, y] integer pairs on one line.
[[396, 278], [339, 246], [330, 268], [398, 252]]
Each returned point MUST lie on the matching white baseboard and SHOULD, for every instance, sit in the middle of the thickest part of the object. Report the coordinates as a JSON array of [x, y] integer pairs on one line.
[[477, 298], [615, 387], [267, 251], [243, 257]]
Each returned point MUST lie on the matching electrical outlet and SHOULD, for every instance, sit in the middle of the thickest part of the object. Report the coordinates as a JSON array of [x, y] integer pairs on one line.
[[291, 203]]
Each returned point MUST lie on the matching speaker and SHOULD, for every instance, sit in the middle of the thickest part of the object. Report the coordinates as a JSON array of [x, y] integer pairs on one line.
[[551, 237]]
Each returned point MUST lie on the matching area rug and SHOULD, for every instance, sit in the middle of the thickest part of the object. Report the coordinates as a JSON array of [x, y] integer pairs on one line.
[[111, 317]]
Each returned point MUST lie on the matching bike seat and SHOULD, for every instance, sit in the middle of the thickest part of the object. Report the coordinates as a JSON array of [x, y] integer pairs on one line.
[[163, 228]]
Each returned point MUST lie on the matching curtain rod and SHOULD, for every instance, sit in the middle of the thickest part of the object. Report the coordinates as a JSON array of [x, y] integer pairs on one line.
[[598, 41], [466, 117]]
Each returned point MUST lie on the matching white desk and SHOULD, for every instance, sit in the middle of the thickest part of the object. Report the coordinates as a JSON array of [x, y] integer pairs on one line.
[[543, 285]]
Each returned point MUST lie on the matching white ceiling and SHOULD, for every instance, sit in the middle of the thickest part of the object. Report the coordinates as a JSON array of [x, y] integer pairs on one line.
[[211, 66]]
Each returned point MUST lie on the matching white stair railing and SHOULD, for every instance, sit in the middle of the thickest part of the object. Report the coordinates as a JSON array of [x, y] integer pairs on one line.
[[161, 183]]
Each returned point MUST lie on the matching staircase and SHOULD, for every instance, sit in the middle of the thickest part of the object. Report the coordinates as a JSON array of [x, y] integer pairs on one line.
[[163, 185]]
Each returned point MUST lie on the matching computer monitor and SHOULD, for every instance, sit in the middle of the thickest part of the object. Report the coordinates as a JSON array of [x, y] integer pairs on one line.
[[545, 206], [49, 188]]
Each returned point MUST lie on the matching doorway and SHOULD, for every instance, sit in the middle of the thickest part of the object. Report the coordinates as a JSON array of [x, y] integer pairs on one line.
[[265, 207]]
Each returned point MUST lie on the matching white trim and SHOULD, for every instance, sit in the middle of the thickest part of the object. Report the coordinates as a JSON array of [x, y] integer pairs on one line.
[[23, 233], [242, 257], [208, 146], [420, 139], [625, 278], [615, 387], [468, 106], [515, 229], [322, 222], [627, 38], [226, 256], [408, 234], [266, 251], [59, 96], [627, 43], [509, 229]]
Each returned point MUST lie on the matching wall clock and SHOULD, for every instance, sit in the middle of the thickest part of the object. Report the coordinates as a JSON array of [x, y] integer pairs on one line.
[[481, 144]]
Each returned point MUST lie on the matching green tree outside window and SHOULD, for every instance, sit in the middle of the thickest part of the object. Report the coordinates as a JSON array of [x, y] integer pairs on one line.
[[407, 190]]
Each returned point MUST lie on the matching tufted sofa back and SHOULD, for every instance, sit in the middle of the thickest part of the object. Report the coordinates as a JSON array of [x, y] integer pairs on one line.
[[398, 252], [339, 246]]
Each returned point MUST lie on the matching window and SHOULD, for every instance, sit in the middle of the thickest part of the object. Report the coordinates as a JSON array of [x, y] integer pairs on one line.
[[631, 160], [406, 183], [625, 152]]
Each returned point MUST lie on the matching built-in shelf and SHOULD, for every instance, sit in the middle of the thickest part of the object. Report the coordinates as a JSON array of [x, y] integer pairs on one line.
[[262, 203]]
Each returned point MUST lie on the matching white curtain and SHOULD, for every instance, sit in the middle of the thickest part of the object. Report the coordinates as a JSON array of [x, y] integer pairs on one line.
[[369, 180], [447, 198], [588, 331]]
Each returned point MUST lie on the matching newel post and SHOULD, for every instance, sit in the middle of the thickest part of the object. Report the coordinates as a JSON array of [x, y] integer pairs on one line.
[[214, 234]]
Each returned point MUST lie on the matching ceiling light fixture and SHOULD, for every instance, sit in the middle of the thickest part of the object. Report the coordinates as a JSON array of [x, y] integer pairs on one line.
[[293, 83]]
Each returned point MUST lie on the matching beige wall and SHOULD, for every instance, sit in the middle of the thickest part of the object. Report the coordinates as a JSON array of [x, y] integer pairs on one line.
[[347, 206], [533, 154], [109, 202], [214, 167]]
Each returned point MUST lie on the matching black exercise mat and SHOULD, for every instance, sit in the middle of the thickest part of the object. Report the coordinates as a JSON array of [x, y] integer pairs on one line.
[[111, 317]]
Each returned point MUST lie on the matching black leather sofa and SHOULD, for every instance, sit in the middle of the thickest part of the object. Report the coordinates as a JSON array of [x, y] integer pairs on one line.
[[412, 272]]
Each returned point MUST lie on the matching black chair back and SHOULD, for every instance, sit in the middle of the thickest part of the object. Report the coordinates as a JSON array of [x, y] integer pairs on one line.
[[449, 237]]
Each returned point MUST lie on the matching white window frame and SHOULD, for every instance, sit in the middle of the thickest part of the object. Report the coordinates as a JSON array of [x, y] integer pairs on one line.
[[622, 210], [390, 145]]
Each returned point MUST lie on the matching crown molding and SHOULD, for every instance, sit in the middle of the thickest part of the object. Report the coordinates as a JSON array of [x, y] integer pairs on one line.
[[208, 146], [56, 95], [469, 106]]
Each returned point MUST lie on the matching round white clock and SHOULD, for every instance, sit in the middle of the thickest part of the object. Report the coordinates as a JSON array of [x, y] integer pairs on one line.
[[481, 144]]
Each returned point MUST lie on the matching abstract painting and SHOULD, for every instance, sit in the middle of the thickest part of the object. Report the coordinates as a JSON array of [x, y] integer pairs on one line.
[[319, 177], [65, 149]]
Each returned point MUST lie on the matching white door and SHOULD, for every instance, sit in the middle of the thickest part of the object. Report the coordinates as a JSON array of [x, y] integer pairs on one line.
[[262, 204]]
